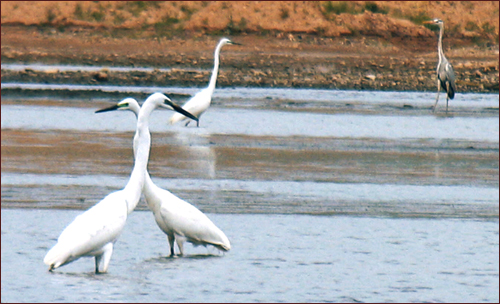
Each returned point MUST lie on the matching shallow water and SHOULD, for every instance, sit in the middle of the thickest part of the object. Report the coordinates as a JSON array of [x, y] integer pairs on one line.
[[240, 121], [274, 258], [255, 96], [337, 196]]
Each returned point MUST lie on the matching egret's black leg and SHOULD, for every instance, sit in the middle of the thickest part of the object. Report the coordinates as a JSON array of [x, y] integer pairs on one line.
[[97, 262], [171, 240]]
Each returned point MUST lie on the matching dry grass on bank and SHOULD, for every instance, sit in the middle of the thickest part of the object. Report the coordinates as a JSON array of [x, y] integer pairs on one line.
[[465, 19]]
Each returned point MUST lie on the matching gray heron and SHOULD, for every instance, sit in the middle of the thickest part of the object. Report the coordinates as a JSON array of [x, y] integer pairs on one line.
[[445, 73]]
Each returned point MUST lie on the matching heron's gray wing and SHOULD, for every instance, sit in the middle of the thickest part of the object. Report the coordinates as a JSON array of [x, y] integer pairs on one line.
[[451, 76]]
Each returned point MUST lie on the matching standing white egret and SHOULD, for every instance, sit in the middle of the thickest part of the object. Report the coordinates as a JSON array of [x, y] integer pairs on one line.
[[94, 232], [177, 218], [445, 73], [200, 102]]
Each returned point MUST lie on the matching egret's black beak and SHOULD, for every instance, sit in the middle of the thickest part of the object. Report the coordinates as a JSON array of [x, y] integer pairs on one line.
[[236, 43], [112, 108], [180, 110]]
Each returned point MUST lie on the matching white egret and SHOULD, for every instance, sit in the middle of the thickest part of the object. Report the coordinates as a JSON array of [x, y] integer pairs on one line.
[[445, 73], [94, 232], [200, 102], [177, 218]]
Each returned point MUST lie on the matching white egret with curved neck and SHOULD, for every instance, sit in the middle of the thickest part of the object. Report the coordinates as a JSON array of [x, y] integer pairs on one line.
[[178, 219], [200, 102], [445, 73], [94, 232]]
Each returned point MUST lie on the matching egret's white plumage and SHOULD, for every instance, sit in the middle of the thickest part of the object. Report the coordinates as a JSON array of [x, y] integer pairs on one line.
[[182, 221], [200, 102], [177, 218], [94, 232]]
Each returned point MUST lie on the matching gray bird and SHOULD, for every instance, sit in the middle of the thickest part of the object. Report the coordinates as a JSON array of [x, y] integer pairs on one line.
[[445, 73]]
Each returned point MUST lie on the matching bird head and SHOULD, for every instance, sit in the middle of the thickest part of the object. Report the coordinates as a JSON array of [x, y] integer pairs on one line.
[[161, 100], [126, 104], [225, 41], [434, 21], [158, 99]]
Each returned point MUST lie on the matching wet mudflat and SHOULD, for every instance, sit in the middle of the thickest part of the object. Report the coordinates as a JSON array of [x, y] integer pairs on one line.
[[325, 196]]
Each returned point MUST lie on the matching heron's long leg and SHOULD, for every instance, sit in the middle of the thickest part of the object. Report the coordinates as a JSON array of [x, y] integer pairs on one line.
[[447, 97], [437, 97], [187, 123]]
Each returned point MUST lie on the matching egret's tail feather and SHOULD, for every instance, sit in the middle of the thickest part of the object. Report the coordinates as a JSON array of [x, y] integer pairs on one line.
[[220, 246], [223, 247], [225, 244], [56, 258]]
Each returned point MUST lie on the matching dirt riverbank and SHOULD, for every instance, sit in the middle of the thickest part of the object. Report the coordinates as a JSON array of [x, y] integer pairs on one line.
[[370, 56], [335, 63]]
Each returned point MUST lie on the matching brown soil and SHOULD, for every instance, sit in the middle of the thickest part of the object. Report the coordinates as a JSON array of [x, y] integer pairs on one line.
[[304, 47]]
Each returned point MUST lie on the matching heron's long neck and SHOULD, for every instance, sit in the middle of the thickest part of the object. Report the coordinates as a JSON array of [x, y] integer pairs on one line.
[[440, 44], [213, 79], [142, 144]]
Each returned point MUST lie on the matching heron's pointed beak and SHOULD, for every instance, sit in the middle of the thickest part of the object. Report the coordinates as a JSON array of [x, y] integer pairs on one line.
[[112, 108], [236, 43], [180, 110]]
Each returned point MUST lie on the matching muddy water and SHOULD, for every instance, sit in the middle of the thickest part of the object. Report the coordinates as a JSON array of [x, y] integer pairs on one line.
[[386, 202]]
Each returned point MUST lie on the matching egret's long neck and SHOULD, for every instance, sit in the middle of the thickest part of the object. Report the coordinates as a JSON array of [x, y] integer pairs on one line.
[[142, 144], [213, 79], [149, 186], [148, 183]]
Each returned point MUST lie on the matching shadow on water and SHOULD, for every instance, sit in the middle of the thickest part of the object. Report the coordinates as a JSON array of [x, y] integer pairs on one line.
[[175, 258], [86, 275]]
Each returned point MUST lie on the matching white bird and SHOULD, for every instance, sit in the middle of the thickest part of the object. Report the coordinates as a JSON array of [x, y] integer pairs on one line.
[[94, 232], [200, 102], [177, 218]]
